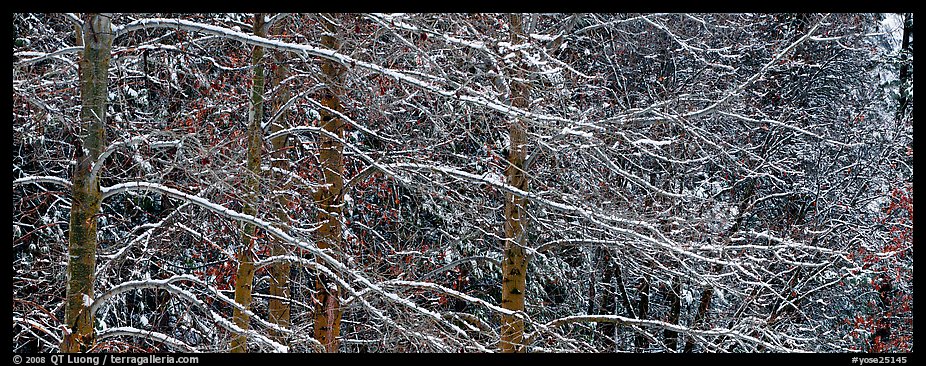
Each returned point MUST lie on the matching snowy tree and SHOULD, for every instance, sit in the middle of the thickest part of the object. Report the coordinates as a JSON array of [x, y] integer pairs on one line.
[[462, 182]]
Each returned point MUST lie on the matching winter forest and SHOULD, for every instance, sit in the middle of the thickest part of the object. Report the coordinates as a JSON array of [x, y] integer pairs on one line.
[[283, 182]]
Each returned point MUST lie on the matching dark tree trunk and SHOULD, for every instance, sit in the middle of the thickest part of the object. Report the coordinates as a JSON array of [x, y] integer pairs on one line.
[[703, 306], [608, 294], [675, 309], [906, 51], [640, 340]]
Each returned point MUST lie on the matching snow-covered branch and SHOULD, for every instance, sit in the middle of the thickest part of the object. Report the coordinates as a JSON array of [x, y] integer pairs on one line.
[[174, 343], [39, 57], [340, 58], [646, 323], [42, 179]]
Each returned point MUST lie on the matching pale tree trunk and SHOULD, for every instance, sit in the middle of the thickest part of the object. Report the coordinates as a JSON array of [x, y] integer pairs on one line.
[[279, 272], [514, 263], [329, 196], [245, 254], [85, 192]]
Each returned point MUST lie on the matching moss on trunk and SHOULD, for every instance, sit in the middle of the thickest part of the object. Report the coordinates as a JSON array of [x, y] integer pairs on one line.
[[279, 309], [514, 264], [85, 191], [329, 198], [245, 254]]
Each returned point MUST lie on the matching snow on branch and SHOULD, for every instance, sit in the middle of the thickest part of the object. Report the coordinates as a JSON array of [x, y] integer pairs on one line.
[[736, 90], [147, 334], [761, 71], [269, 22], [39, 56], [129, 142], [289, 174], [785, 243], [457, 262], [612, 23], [167, 285], [289, 103], [358, 295], [630, 322], [597, 218], [359, 152], [74, 19], [40, 327], [347, 61], [119, 254], [638, 180], [42, 179], [791, 127], [283, 259], [354, 123], [124, 287], [394, 21], [199, 201], [495, 182], [280, 234], [457, 294]]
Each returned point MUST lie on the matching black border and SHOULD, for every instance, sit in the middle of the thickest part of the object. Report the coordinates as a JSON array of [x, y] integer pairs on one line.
[[506, 6]]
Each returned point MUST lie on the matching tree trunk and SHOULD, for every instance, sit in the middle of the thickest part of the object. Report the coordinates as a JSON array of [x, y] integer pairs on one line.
[[592, 281], [608, 303], [622, 291], [279, 272], [708, 292], [85, 192], [641, 341], [330, 196], [514, 264], [675, 309], [703, 306], [907, 52], [245, 278]]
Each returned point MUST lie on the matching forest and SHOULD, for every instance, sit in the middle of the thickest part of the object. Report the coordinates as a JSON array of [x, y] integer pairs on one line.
[[485, 182]]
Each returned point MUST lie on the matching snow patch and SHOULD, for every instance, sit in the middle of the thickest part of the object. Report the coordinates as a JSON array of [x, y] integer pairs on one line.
[[144, 164], [494, 177], [893, 25], [653, 142], [542, 37], [569, 131]]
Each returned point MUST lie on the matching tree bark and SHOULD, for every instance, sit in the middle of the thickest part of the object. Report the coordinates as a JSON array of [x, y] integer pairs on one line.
[[703, 306], [675, 308], [641, 341], [330, 196], [608, 303], [907, 52], [514, 264], [245, 277], [85, 192], [279, 272], [708, 293]]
